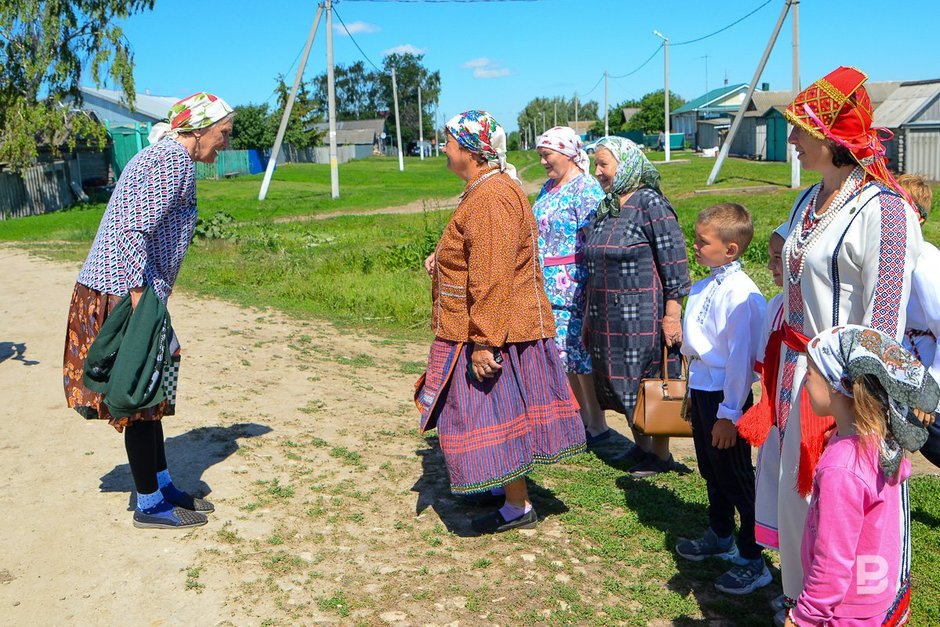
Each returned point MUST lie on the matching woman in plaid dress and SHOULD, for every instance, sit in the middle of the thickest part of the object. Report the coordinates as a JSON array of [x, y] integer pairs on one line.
[[638, 274]]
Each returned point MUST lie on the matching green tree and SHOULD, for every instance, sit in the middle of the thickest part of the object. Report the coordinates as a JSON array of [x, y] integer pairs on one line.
[[252, 127], [358, 92], [614, 118], [512, 141], [44, 45], [409, 73], [533, 112], [300, 132], [650, 118]]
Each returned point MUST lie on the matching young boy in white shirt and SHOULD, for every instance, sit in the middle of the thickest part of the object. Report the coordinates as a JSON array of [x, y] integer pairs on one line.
[[721, 333], [923, 308]]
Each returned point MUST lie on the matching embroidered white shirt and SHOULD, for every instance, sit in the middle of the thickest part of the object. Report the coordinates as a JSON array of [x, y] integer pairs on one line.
[[721, 335], [923, 309]]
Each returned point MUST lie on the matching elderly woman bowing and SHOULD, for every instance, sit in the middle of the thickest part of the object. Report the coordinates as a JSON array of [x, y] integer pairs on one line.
[[132, 266], [495, 387], [638, 273]]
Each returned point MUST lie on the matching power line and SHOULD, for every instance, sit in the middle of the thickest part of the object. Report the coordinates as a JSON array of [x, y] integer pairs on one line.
[[299, 52], [442, 1], [591, 90], [642, 65], [355, 42], [737, 21]]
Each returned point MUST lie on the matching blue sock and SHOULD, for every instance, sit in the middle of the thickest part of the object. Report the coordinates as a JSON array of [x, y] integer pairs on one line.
[[163, 478], [149, 501]]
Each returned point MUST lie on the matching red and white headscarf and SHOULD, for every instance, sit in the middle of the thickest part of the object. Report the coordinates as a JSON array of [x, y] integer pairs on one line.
[[565, 140], [190, 114]]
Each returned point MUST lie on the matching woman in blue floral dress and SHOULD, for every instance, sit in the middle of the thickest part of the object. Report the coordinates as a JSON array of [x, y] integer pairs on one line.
[[565, 205]]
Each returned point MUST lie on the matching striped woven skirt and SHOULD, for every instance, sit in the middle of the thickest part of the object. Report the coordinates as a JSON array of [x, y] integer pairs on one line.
[[87, 312], [494, 432]]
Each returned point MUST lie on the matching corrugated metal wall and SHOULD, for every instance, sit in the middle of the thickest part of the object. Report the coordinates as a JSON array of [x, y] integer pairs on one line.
[[41, 188], [922, 152]]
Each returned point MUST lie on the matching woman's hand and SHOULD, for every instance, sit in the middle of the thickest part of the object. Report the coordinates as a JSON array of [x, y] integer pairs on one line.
[[429, 263], [927, 418], [672, 330], [482, 361], [136, 293]]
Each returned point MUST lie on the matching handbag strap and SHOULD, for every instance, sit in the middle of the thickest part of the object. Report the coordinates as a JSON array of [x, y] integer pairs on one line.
[[664, 370]]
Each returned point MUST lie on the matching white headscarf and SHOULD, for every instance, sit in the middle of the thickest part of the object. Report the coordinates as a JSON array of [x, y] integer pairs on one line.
[[565, 140], [198, 111]]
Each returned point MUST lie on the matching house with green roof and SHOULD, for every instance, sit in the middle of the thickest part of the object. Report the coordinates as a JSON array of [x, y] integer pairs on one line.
[[705, 119]]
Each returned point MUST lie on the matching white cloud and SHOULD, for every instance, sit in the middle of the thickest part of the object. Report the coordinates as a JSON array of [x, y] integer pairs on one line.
[[404, 49], [486, 68], [356, 28]]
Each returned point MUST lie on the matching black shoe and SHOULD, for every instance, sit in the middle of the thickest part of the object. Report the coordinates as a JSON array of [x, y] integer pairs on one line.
[[652, 466], [596, 440], [483, 499], [495, 523], [631, 458]]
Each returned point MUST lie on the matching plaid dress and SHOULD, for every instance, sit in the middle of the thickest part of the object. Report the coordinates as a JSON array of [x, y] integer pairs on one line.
[[635, 262]]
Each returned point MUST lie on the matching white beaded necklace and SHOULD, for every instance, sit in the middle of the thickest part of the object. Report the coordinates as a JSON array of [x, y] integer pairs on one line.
[[800, 242]]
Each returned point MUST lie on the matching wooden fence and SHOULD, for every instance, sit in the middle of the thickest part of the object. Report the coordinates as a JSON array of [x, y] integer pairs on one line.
[[40, 189]]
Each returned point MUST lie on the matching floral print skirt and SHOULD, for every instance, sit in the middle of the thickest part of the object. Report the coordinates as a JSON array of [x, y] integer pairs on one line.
[[87, 312]]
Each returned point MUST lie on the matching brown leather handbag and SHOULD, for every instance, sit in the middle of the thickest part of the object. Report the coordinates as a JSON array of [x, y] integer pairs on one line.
[[661, 404]]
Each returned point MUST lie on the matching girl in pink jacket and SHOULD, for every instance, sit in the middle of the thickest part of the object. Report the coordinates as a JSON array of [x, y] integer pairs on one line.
[[856, 563]]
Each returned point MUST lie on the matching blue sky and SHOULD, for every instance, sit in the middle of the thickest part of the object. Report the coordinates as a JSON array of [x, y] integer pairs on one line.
[[500, 55]]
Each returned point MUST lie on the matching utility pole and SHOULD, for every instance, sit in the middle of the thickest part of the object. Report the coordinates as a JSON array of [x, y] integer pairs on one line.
[[331, 98], [543, 121], [575, 108], [420, 125], [726, 147], [282, 128], [401, 156], [556, 114], [606, 107], [534, 136], [668, 141], [795, 23]]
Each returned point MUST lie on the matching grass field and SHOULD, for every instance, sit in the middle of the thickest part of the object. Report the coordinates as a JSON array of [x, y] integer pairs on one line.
[[364, 271]]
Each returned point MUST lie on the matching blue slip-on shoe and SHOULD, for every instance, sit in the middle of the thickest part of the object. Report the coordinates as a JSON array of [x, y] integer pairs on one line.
[[166, 516], [175, 496]]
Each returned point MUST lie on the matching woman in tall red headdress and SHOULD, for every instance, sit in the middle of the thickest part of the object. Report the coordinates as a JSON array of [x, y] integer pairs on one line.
[[852, 243]]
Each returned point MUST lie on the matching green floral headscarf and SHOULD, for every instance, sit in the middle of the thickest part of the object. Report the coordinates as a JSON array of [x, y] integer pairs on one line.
[[634, 171]]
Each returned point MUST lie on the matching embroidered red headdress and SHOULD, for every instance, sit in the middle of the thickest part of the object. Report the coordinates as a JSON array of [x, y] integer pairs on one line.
[[838, 107]]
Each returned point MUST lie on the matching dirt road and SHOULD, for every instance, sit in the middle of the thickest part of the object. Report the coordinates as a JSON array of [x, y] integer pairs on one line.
[[330, 507]]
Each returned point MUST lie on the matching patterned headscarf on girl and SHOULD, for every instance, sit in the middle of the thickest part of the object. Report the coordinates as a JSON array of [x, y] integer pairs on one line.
[[565, 140], [481, 134], [191, 114], [634, 171], [845, 353]]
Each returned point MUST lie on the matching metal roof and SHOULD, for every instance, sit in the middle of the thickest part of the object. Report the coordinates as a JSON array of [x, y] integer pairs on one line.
[[155, 107], [707, 101], [906, 102]]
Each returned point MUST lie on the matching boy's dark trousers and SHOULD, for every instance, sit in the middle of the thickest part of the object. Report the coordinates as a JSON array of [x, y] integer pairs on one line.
[[728, 473], [931, 448]]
